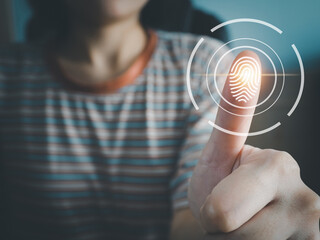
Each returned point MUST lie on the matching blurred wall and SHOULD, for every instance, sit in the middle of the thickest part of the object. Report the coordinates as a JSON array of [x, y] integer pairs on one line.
[[21, 13], [6, 22], [300, 21]]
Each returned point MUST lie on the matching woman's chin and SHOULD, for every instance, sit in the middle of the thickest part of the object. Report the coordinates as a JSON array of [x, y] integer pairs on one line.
[[100, 11]]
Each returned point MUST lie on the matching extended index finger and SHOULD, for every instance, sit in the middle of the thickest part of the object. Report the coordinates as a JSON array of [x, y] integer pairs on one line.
[[240, 95]]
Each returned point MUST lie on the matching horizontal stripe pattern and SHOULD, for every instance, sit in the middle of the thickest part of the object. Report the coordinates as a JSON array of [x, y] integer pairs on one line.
[[80, 165]]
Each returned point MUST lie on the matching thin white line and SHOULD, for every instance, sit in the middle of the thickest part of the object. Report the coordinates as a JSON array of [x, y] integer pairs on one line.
[[188, 73], [244, 134], [302, 80], [246, 20]]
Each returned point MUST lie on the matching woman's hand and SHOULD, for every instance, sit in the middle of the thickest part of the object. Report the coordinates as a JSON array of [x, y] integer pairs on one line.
[[264, 198], [241, 192]]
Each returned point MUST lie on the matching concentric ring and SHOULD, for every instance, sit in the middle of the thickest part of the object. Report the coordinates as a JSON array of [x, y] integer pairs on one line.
[[301, 72]]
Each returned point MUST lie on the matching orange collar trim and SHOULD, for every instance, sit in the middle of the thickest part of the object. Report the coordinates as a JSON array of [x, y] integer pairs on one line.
[[112, 85]]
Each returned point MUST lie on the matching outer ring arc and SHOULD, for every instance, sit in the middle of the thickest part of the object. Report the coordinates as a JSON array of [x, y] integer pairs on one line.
[[246, 20], [302, 80], [244, 134], [188, 73]]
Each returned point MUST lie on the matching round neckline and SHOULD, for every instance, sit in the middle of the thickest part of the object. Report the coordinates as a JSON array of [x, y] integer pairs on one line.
[[111, 85]]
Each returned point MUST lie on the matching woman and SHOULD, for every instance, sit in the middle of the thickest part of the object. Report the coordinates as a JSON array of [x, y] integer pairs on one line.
[[98, 135], [98, 120]]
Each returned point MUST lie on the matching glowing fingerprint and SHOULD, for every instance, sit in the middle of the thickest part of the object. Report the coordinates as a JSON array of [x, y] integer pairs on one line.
[[244, 79]]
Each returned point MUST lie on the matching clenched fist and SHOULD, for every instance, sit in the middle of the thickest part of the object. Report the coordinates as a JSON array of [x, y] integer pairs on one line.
[[241, 192]]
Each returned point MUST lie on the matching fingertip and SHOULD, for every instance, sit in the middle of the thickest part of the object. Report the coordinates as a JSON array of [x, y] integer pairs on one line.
[[243, 83], [249, 53]]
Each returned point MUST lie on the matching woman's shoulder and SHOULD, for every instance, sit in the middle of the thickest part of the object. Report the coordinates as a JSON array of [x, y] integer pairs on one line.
[[187, 40], [177, 49], [180, 46]]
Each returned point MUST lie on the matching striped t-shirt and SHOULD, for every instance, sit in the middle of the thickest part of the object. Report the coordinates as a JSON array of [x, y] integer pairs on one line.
[[79, 164]]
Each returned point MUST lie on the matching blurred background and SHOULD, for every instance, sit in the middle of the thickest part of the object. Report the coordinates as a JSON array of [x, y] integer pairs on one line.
[[300, 21]]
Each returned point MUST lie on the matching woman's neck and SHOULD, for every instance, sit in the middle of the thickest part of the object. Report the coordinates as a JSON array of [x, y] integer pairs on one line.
[[101, 52]]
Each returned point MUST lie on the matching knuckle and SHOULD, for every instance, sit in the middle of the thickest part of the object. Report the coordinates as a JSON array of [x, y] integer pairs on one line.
[[216, 214], [285, 164], [226, 223], [309, 202], [315, 204]]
